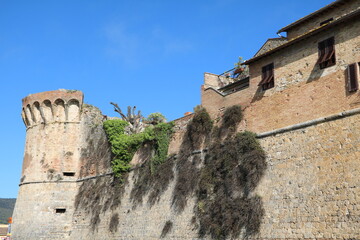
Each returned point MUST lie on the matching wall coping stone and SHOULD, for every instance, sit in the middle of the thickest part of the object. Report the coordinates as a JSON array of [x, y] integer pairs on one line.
[[310, 123]]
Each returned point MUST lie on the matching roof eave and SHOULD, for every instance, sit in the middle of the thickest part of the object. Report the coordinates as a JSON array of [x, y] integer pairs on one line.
[[308, 34], [309, 16]]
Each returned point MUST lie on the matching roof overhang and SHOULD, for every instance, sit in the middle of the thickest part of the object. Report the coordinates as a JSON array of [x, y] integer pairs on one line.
[[306, 35], [312, 15]]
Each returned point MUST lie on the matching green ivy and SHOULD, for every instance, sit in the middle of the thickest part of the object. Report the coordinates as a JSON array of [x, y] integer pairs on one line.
[[124, 146], [161, 138]]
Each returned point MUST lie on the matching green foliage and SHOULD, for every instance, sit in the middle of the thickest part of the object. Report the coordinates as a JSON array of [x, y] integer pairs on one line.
[[239, 63], [161, 135], [199, 127], [188, 167], [124, 146], [232, 116], [155, 118], [231, 171], [224, 180]]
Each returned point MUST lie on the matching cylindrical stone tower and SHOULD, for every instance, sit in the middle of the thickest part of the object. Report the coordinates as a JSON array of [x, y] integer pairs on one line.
[[51, 166]]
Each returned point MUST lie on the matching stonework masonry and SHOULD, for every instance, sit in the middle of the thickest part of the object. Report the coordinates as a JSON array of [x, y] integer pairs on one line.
[[310, 191], [308, 124]]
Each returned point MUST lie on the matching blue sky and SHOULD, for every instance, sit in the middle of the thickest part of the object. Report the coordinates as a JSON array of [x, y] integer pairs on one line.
[[151, 54]]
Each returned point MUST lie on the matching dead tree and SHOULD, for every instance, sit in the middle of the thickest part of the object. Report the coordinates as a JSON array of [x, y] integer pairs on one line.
[[135, 120]]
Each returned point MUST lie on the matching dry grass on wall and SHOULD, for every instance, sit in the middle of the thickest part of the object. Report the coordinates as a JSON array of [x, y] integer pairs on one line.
[[222, 179], [150, 183], [166, 229], [97, 196]]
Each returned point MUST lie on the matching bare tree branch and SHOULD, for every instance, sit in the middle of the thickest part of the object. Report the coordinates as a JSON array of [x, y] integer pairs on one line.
[[134, 120]]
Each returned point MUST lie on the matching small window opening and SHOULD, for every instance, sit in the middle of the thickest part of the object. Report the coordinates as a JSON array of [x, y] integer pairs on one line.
[[60, 210], [69, 174], [327, 53], [267, 77], [326, 21]]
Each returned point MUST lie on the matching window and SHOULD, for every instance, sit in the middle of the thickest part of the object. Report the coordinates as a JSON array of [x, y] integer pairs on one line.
[[60, 210], [353, 77], [326, 53], [69, 174], [267, 79]]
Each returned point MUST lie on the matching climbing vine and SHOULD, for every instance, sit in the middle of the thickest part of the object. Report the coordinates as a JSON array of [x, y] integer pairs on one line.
[[124, 146], [223, 179]]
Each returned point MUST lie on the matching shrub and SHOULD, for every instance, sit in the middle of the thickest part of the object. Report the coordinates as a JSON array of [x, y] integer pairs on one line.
[[124, 146], [223, 181], [161, 136], [155, 118]]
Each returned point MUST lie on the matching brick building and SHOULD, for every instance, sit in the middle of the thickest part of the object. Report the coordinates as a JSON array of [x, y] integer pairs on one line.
[[312, 72]]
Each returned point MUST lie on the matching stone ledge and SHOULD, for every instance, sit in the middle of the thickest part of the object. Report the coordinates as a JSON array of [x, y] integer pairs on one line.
[[310, 123]]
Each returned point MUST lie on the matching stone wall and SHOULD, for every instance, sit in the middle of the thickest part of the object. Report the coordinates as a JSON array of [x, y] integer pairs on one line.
[[310, 191], [311, 187], [35, 215], [65, 142]]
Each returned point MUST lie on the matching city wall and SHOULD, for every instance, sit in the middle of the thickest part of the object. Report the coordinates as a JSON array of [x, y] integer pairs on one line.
[[310, 191], [308, 125]]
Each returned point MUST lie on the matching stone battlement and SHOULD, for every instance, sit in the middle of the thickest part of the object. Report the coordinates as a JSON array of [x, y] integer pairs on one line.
[[52, 106]]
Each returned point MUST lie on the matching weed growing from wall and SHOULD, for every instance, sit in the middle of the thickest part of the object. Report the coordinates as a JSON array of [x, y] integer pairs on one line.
[[166, 229], [225, 203], [124, 146], [230, 120], [188, 165], [114, 223], [222, 179], [161, 135], [152, 183], [222, 182], [97, 196]]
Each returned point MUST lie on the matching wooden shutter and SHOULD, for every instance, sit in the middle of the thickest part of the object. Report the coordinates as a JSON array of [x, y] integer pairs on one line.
[[267, 80], [263, 76], [270, 71], [353, 77], [329, 49], [322, 53], [327, 53]]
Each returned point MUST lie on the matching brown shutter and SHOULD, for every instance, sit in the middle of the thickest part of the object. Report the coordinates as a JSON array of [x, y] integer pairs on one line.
[[326, 53], [270, 73], [264, 76], [353, 77], [322, 53], [329, 49]]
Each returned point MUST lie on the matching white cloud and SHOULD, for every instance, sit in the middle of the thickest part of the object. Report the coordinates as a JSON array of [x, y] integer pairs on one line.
[[136, 47]]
